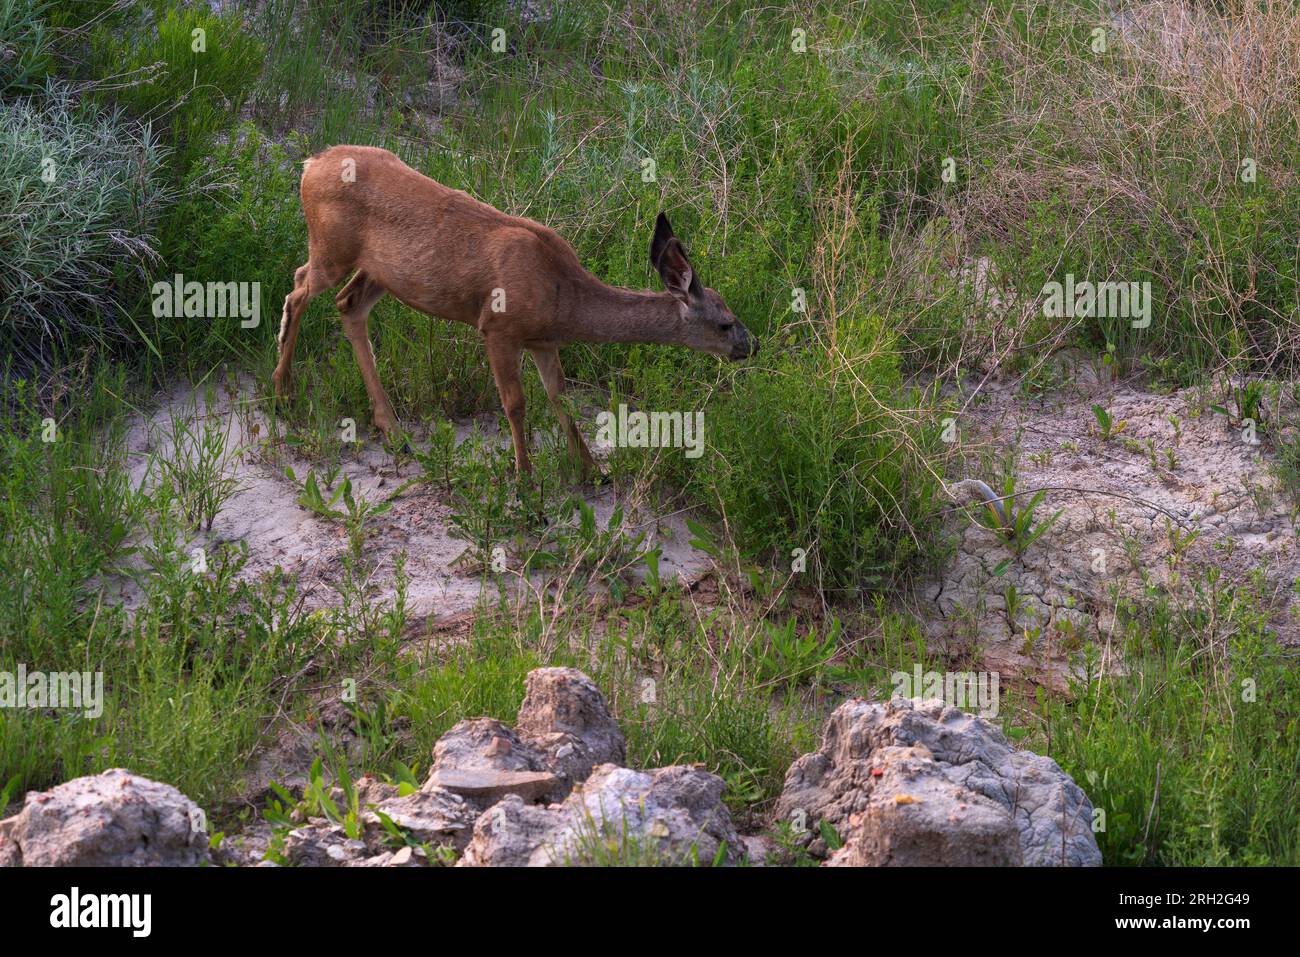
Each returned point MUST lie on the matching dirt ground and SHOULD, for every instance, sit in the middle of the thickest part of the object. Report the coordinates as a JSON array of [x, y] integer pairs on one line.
[[264, 513], [1177, 491]]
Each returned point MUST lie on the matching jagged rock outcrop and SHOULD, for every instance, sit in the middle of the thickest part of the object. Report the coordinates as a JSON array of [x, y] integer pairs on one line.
[[910, 782], [321, 844], [563, 730], [565, 717], [917, 782], [671, 815], [918, 816], [113, 819], [484, 760], [429, 816]]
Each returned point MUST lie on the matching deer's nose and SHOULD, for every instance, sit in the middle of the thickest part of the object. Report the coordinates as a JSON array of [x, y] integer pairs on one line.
[[748, 348]]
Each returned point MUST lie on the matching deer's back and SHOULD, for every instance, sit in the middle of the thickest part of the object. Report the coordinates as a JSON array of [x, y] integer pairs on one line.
[[438, 249]]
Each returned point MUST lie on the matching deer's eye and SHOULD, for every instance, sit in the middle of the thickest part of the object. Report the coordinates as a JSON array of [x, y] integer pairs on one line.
[[725, 327]]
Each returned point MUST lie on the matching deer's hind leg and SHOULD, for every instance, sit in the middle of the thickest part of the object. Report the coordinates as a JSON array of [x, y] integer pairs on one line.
[[503, 357], [309, 281], [355, 301], [552, 373]]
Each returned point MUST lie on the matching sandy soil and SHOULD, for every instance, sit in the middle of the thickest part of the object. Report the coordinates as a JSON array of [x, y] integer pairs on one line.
[[264, 513]]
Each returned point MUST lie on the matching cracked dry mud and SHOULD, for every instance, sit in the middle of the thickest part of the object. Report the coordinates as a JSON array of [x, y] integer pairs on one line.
[[1216, 505]]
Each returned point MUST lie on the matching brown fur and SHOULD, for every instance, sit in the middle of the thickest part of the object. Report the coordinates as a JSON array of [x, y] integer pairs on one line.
[[444, 253]]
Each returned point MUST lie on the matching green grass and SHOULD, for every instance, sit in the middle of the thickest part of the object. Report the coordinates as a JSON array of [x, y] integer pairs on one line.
[[1194, 756], [189, 677], [25, 39]]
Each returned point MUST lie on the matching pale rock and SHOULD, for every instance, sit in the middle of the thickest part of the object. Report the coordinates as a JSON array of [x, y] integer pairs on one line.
[[671, 815], [113, 819], [854, 771]]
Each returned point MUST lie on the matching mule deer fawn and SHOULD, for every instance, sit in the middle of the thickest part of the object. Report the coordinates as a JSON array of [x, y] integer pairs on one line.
[[519, 283]]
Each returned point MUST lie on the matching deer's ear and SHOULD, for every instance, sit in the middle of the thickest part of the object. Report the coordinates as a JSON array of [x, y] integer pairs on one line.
[[668, 256], [663, 233]]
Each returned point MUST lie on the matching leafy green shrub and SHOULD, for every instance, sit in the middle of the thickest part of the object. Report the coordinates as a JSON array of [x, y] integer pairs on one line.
[[81, 192], [814, 454], [194, 75], [238, 220]]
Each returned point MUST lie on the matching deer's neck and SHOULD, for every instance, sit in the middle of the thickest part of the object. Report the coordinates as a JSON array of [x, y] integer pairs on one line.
[[604, 313]]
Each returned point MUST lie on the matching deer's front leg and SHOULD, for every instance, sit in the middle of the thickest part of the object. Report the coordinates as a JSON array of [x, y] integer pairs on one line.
[[355, 301], [504, 358], [552, 373]]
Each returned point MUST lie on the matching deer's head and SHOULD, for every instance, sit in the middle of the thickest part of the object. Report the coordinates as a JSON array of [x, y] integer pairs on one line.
[[707, 324]]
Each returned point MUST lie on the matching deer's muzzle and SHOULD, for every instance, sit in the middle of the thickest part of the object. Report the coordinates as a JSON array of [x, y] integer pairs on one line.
[[745, 348]]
